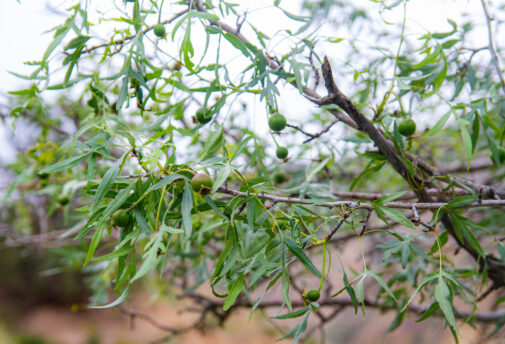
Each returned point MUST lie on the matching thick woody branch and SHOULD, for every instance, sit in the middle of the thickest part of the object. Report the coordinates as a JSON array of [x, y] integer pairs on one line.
[[496, 269]]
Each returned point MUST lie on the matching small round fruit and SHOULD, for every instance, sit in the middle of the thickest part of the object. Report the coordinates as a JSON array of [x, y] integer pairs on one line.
[[63, 200], [279, 178], [277, 122], [281, 152], [407, 127], [159, 30], [203, 116], [177, 65], [121, 219], [43, 175], [202, 183], [313, 295]]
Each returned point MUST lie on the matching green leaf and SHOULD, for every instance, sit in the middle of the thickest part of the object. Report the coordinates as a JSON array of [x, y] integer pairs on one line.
[[461, 201], [237, 43], [297, 251], [58, 37], [294, 314], [204, 15], [65, 164], [425, 280], [442, 294], [105, 184], [77, 42], [117, 202], [389, 197], [97, 237], [285, 290], [440, 124], [235, 290], [429, 312], [117, 253], [221, 177], [467, 141], [165, 181], [382, 283], [186, 206], [118, 301], [395, 215]]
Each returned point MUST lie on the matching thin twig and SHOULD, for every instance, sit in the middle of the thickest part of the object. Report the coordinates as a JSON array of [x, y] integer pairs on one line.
[[492, 49]]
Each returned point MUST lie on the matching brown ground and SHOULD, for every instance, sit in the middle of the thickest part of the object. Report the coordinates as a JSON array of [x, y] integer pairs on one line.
[[62, 326]]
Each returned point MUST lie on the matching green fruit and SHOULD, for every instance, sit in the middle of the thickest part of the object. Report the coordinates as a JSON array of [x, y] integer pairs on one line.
[[203, 116], [63, 200], [177, 65], [281, 152], [501, 155], [313, 295], [282, 224], [121, 219], [202, 183], [407, 127], [43, 175], [277, 122], [279, 178], [159, 30]]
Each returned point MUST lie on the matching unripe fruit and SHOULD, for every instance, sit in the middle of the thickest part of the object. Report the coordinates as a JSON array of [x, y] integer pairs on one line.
[[121, 219], [501, 155], [202, 183], [159, 30], [279, 178], [281, 152], [313, 295], [277, 122], [43, 175], [177, 65], [203, 116], [63, 200], [407, 127]]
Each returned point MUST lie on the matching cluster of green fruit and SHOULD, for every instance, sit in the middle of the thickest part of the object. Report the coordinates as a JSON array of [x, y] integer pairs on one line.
[[277, 122], [201, 183]]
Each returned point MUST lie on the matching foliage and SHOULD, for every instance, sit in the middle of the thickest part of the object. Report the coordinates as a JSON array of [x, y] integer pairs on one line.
[[146, 111]]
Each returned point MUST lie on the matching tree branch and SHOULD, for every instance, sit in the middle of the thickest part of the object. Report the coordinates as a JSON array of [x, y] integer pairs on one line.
[[492, 49]]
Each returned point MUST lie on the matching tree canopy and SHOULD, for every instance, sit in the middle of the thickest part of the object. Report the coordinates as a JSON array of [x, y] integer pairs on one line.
[[202, 144]]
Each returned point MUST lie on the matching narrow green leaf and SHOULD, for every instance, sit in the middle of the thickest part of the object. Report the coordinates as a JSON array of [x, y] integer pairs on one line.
[[235, 290], [396, 216], [106, 183], [285, 290], [97, 237], [467, 140], [165, 181], [118, 301], [222, 175], [297, 251], [65, 164], [382, 283], [186, 206], [442, 294], [117, 253], [204, 15], [439, 125], [294, 314]]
